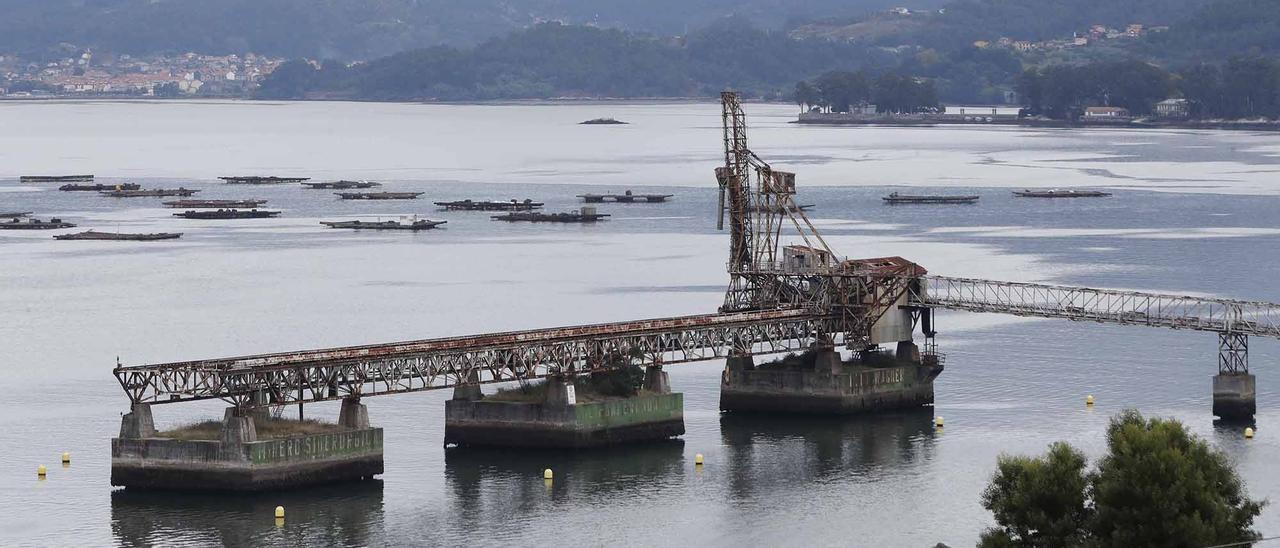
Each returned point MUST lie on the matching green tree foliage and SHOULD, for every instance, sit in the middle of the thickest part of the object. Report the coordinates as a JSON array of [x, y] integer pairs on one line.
[[1061, 90], [840, 91], [1158, 485], [1038, 501]]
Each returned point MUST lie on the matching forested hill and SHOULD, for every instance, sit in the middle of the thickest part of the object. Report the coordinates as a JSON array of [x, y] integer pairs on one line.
[[363, 29], [553, 60]]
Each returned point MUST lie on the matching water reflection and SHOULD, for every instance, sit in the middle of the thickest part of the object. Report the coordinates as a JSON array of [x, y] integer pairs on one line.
[[770, 452], [349, 514], [484, 481]]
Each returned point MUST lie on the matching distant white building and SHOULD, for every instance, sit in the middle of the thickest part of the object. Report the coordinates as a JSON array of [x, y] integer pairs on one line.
[[1173, 108]]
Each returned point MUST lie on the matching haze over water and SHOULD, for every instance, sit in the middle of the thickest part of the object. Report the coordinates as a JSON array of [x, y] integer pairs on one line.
[[1194, 212]]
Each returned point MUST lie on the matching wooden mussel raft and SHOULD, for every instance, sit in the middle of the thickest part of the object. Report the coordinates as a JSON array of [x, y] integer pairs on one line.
[[413, 225], [261, 180], [215, 204], [378, 195], [491, 205], [99, 187], [119, 236], [584, 215], [151, 193], [895, 198], [625, 198], [760, 208], [228, 214], [339, 185], [1058, 193], [35, 224], [55, 178]]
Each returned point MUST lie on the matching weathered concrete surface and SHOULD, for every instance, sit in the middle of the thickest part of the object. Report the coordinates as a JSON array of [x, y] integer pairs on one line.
[[239, 461], [553, 425], [1235, 396], [353, 414], [827, 388]]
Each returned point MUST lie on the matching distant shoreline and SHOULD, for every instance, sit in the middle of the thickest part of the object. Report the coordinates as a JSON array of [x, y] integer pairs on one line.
[[841, 119]]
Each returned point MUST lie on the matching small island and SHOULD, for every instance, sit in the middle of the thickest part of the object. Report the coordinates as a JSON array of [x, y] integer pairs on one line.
[[602, 122]]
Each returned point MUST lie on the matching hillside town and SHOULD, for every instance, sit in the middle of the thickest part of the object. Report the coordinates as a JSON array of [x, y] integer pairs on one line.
[[1097, 35], [87, 73]]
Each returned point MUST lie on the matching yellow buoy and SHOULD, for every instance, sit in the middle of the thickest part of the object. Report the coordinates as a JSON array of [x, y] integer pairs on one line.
[[41, 471], [546, 474], [66, 457], [937, 421], [1088, 400], [1248, 433], [697, 459], [279, 512]]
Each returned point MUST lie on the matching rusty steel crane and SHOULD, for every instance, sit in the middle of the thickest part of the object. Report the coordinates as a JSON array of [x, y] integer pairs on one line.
[[760, 204]]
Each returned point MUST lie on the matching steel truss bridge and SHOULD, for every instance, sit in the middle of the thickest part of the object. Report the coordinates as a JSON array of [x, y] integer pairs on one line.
[[413, 366], [779, 299], [1233, 320]]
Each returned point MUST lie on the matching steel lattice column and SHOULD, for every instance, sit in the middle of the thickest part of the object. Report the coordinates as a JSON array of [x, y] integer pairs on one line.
[[1233, 353]]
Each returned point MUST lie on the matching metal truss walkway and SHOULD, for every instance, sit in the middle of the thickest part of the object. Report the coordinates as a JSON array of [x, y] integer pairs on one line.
[[395, 368], [1233, 320]]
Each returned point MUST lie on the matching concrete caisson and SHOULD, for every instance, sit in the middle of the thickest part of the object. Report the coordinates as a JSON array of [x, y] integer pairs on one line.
[[239, 460], [560, 421]]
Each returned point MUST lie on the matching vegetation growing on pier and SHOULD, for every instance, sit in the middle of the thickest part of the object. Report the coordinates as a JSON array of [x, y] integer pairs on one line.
[[1158, 485], [269, 429]]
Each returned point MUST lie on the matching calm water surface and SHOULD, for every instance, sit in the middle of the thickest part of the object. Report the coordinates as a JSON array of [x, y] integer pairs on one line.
[[1194, 212]]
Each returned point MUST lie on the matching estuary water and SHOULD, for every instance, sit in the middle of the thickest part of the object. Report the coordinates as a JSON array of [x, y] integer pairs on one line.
[[1194, 212]]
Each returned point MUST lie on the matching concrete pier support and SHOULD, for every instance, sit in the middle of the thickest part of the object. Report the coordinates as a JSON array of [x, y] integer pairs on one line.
[[241, 458], [1235, 396], [656, 380], [469, 391], [907, 351], [238, 427], [353, 414], [563, 420], [138, 423], [820, 383]]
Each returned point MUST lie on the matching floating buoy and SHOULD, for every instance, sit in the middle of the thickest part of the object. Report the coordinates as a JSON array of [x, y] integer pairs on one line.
[[66, 457], [1088, 400], [279, 512], [546, 474], [1248, 433], [697, 459], [41, 471], [937, 421]]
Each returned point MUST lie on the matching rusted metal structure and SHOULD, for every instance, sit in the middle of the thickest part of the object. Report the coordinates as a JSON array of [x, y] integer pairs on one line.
[[780, 298], [1234, 321]]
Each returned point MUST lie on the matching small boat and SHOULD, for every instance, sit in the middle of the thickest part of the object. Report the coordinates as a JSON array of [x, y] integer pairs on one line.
[[491, 205], [35, 224], [215, 204], [584, 215], [378, 195], [779, 208], [626, 198], [152, 193], [1059, 193], [100, 187], [261, 180], [342, 184], [896, 198], [13, 214], [602, 122], [415, 225], [228, 214], [94, 235], [55, 178]]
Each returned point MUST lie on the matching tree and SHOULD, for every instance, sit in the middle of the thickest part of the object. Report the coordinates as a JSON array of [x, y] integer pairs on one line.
[[806, 95], [1038, 501], [1158, 485]]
